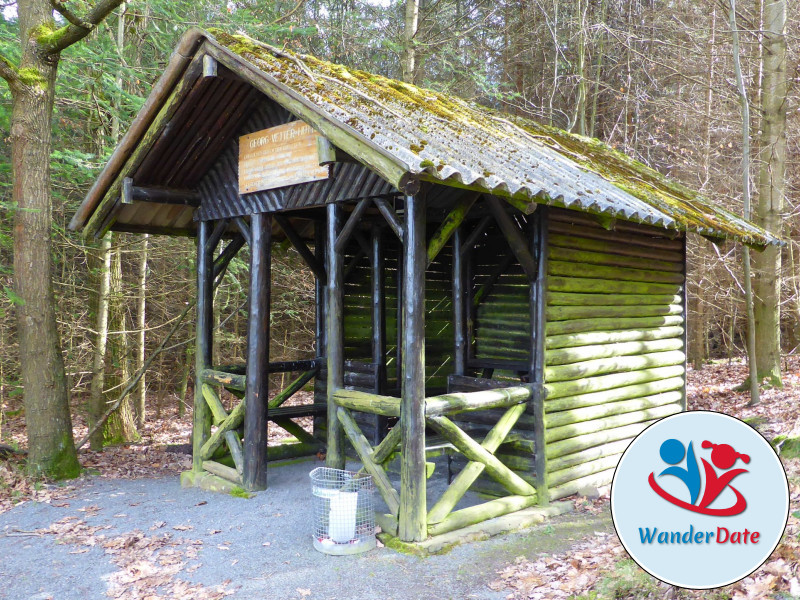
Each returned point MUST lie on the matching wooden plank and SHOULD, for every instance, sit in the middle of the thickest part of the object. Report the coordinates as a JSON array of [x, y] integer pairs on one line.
[[615, 364], [640, 390], [588, 413], [611, 324], [607, 382], [617, 274], [538, 294], [449, 404], [572, 340], [565, 237], [257, 385], [362, 448], [564, 356], [279, 156], [556, 434], [413, 510]]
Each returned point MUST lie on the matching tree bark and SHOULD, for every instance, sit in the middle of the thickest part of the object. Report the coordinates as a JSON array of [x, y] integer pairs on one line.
[[771, 191], [409, 62]]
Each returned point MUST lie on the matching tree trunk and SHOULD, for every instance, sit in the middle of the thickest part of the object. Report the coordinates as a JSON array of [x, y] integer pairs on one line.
[[51, 449], [97, 403], [748, 293], [121, 425], [409, 33], [771, 191], [141, 321]]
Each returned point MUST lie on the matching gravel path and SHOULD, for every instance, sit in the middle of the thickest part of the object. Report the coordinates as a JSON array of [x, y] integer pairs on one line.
[[133, 538]]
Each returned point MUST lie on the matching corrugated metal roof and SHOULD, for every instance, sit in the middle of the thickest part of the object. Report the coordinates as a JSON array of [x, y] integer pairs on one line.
[[446, 140]]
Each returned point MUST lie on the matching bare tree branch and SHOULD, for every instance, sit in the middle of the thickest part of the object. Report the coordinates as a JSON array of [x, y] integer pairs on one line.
[[65, 12], [64, 37]]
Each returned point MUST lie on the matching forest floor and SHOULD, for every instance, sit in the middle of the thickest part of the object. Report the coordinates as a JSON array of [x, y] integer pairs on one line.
[[578, 556]]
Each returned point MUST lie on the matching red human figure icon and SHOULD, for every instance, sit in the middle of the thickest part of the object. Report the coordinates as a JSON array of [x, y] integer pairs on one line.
[[724, 457]]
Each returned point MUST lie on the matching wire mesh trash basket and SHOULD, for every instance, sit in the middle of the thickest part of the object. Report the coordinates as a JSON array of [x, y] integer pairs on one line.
[[344, 515]]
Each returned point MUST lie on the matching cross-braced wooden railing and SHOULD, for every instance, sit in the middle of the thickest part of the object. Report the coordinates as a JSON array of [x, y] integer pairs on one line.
[[442, 517], [227, 423]]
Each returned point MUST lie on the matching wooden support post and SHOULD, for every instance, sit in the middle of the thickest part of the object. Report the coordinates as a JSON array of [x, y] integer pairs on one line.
[[413, 509], [216, 234], [300, 245], [334, 336], [201, 424], [685, 315], [459, 320], [241, 225], [319, 320], [515, 239], [476, 233], [257, 386], [378, 327], [538, 301], [226, 256]]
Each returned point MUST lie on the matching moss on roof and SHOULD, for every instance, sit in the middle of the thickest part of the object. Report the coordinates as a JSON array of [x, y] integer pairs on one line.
[[383, 110]]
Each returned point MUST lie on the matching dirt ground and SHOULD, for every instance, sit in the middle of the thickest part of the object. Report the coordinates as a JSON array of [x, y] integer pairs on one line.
[[150, 539]]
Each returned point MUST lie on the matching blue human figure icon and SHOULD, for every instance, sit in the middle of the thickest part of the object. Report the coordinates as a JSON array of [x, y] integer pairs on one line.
[[672, 452]]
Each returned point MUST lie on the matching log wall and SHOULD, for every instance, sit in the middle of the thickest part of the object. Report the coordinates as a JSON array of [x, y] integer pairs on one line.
[[614, 358]]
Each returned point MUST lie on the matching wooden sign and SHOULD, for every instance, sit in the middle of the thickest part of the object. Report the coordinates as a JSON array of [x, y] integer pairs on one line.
[[279, 156]]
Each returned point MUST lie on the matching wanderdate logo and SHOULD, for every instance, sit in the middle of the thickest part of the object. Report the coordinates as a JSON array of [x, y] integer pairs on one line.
[[699, 499]]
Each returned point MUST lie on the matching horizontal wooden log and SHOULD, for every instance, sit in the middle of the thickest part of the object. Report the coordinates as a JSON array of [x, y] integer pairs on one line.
[[476, 453], [607, 382], [220, 470], [563, 313], [218, 411], [233, 421], [592, 285], [639, 235], [578, 415], [560, 477], [388, 406], [627, 392], [481, 512], [604, 245], [289, 450], [576, 299], [607, 324], [569, 269], [571, 340], [449, 404], [463, 383], [588, 455], [592, 440], [572, 487], [612, 260], [357, 366], [617, 364], [565, 356], [229, 380], [162, 195], [556, 434]]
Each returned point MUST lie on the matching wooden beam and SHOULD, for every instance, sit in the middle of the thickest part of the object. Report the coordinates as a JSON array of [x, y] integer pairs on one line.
[[257, 386], [476, 233], [362, 448], [233, 421], [377, 281], [382, 452], [300, 246], [226, 256], [334, 351], [201, 420], [519, 246], [486, 289], [329, 154], [459, 316], [216, 235], [451, 222], [152, 230], [294, 387], [390, 216], [126, 196], [413, 506], [352, 222], [165, 195], [209, 66], [228, 380], [244, 229]]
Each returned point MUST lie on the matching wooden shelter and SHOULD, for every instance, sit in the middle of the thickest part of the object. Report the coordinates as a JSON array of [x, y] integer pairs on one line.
[[511, 291]]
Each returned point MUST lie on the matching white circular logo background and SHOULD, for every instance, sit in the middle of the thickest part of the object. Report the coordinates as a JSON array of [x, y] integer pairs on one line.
[[699, 499]]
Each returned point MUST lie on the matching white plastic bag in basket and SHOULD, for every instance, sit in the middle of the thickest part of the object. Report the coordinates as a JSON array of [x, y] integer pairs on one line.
[[343, 517]]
